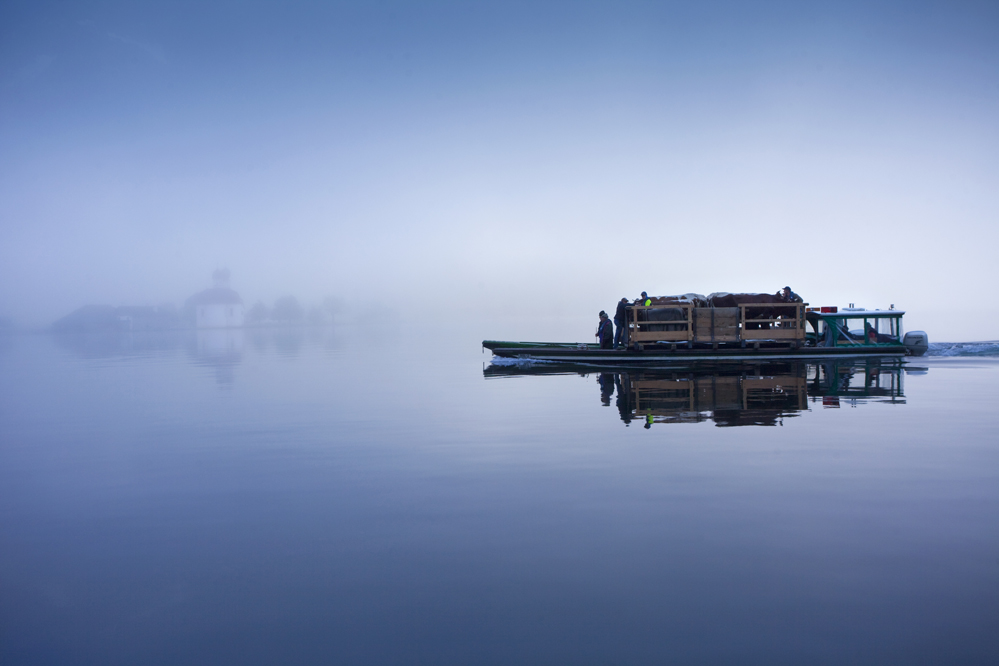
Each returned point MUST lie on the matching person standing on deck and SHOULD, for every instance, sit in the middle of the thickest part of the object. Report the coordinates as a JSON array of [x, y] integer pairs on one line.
[[791, 297], [605, 332], [620, 322], [644, 300]]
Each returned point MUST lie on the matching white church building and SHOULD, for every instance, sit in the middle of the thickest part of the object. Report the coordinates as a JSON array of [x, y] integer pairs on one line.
[[218, 307]]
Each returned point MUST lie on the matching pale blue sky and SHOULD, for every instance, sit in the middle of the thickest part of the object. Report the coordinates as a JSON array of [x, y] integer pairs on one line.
[[534, 159]]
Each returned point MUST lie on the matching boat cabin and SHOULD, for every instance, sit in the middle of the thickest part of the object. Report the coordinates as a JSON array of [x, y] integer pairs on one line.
[[852, 327]]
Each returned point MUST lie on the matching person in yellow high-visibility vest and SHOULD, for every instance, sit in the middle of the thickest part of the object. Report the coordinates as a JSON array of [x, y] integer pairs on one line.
[[642, 315]]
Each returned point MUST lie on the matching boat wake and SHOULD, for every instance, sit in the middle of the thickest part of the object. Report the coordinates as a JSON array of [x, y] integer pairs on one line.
[[517, 362], [964, 348]]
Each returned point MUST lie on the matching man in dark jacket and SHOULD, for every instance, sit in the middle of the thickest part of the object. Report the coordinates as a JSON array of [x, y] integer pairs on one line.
[[605, 332], [790, 296], [620, 323]]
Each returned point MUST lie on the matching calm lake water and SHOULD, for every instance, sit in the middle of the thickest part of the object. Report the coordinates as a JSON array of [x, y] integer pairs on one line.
[[303, 497]]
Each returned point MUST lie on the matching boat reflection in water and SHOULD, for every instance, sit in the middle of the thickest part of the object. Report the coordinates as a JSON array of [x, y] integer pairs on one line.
[[733, 394]]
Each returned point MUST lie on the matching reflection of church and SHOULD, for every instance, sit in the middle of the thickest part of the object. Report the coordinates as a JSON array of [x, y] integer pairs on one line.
[[735, 394], [221, 349]]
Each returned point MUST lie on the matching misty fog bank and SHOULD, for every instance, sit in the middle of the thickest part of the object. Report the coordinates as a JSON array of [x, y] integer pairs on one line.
[[570, 316], [510, 164]]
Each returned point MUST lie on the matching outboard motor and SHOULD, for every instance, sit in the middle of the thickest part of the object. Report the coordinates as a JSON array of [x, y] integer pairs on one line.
[[916, 343]]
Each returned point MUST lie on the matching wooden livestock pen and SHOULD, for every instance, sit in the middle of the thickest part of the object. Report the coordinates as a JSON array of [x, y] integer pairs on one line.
[[686, 324]]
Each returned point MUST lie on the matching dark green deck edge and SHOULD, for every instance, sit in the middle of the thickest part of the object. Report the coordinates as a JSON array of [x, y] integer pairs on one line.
[[592, 353]]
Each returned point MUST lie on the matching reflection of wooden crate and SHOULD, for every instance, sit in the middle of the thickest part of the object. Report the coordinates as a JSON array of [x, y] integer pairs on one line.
[[663, 396], [783, 391], [718, 392], [716, 324], [683, 399]]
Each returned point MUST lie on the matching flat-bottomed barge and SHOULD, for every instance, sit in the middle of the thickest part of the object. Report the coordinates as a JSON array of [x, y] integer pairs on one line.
[[666, 332]]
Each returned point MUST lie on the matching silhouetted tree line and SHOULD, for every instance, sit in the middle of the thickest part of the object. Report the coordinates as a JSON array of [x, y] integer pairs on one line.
[[287, 310]]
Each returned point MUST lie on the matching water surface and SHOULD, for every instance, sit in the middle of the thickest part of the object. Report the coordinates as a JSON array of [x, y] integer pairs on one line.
[[307, 496]]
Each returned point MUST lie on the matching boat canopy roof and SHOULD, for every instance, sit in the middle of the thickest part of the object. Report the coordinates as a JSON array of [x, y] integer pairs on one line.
[[858, 314]]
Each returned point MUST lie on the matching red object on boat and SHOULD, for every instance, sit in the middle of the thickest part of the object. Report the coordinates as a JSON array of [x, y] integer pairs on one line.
[[828, 309]]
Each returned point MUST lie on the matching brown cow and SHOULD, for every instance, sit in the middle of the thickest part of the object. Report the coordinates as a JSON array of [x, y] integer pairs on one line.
[[725, 300], [697, 300]]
